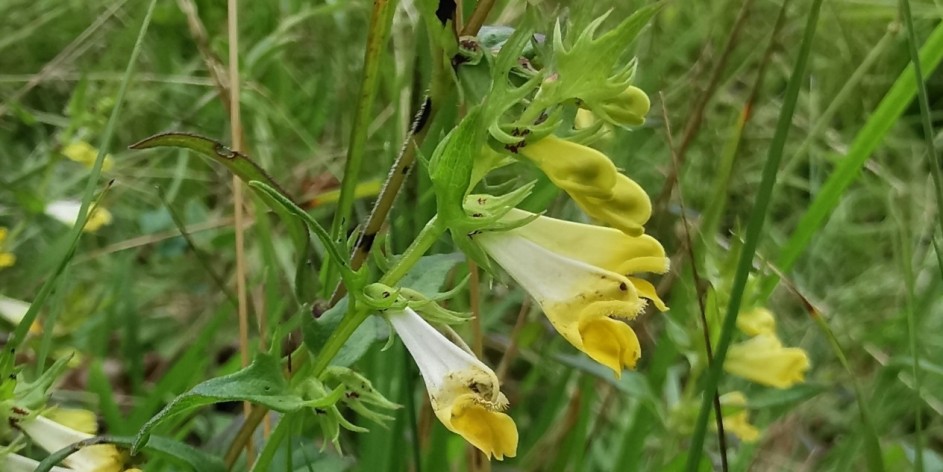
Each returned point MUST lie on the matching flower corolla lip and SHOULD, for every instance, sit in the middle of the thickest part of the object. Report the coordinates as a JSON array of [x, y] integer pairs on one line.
[[464, 392], [582, 277]]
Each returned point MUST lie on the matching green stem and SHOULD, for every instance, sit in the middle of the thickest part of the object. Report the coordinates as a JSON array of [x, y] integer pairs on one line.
[[912, 328], [426, 238]]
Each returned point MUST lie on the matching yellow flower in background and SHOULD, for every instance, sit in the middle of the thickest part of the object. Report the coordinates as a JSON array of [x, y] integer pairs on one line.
[[737, 417], [464, 392], [581, 277], [7, 259], [594, 183], [764, 360], [67, 212], [86, 154], [756, 321], [52, 436]]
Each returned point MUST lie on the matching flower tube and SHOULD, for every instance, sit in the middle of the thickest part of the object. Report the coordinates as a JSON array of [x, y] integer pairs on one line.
[[464, 392]]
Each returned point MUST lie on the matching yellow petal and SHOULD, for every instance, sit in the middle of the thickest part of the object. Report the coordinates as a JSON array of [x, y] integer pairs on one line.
[[627, 209], [756, 321], [493, 432], [610, 342], [764, 360], [645, 289], [575, 168]]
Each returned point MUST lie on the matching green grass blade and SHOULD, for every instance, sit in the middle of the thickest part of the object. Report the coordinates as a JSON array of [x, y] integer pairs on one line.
[[21, 330], [905, 240], [753, 233], [848, 169]]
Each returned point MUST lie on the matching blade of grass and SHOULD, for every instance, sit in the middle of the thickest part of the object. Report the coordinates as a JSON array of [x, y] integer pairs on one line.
[[753, 233], [19, 334], [905, 239], [846, 172]]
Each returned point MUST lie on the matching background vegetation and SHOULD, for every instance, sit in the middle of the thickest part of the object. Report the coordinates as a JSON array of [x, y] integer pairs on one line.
[[151, 314]]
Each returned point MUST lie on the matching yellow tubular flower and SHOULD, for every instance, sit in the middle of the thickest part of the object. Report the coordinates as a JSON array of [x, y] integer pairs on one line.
[[464, 392], [737, 417], [84, 421], [576, 273], [756, 321], [52, 436], [764, 360], [627, 210], [86, 154], [575, 168], [7, 259], [67, 212]]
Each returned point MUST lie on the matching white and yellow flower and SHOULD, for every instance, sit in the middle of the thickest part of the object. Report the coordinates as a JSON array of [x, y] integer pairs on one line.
[[582, 277], [67, 212], [464, 392], [764, 360], [52, 436]]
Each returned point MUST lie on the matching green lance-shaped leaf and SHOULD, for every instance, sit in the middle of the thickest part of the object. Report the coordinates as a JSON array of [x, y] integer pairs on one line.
[[261, 383], [237, 162], [247, 170], [167, 448]]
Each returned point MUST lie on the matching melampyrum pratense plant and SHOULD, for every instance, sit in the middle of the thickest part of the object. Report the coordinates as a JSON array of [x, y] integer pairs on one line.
[[524, 98]]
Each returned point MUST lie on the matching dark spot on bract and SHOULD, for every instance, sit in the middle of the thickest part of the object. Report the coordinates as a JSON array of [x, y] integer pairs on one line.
[[622, 286]]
